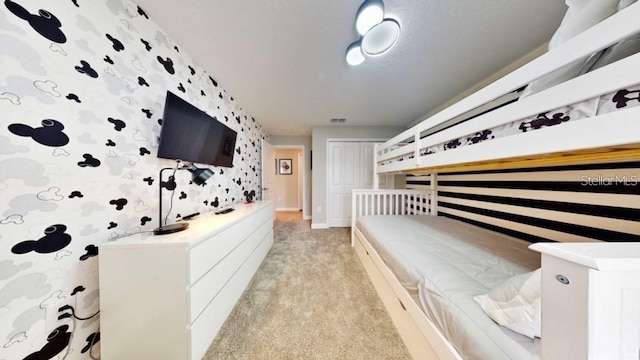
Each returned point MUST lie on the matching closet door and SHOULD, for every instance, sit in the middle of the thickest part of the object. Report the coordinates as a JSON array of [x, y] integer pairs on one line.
[[336, 186], [350, 165], [366, 165], [344, 169]]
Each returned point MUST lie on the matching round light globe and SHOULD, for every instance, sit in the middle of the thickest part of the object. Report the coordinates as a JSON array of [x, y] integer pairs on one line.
[[381, 38], [354, 54], [369, 14]]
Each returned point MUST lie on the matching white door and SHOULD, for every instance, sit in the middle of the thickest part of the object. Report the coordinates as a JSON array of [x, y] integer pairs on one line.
[[344, 163], [300, 180], [366, 165], [336, 184], [268, 170]]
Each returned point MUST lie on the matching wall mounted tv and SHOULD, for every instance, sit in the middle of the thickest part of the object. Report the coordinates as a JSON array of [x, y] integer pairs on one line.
[[189, 134]]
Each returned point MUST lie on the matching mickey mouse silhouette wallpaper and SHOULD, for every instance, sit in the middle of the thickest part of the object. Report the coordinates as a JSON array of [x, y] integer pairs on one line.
[[82, 97]]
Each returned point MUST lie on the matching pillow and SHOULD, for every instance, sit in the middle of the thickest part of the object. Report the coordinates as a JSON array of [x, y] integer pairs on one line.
[[620, 50], [516, 304], [624, 48], [581, 15], [624, 3]]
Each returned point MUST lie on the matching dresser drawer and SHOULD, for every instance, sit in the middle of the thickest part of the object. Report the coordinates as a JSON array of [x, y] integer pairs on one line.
[[206, 327], [166, 297], [205, 289], [207, 254]]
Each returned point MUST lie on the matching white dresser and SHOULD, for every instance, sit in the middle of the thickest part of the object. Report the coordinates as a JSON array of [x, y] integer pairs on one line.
[[590, 300], [166, 296]]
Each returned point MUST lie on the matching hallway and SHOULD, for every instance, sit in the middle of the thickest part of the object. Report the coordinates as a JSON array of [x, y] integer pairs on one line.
[[310, 299]]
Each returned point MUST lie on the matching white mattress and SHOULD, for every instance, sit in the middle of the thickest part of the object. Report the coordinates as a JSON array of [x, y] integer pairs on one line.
[[447, 262]]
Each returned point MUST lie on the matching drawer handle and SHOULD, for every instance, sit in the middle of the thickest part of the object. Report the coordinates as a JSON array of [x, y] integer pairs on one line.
[[563, 279], [401, 304], [367, 252]]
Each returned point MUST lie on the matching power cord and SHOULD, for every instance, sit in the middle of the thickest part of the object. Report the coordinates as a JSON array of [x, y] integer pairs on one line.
[[73, 313], [93, 341], [173, 192], [75, 317], [70, 339]]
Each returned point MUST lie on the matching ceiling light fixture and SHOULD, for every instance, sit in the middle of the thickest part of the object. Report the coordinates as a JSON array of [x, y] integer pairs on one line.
[[354, 54], [369, 14], [378, 34], [380, 38]]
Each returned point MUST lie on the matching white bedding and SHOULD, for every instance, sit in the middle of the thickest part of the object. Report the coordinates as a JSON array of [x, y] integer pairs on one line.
[[448, 262]]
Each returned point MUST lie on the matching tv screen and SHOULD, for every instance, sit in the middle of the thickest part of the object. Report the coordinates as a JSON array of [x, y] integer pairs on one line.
[[190, 134]]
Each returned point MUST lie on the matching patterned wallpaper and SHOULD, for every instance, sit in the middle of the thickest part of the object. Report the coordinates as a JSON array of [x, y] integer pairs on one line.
[[82, 92]]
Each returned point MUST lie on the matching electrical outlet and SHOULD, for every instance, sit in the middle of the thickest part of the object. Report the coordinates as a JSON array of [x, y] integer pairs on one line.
[[52, 313], [319, 209]]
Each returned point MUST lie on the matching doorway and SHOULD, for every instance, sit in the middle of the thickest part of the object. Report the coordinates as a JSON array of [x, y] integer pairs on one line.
[[289, 192]]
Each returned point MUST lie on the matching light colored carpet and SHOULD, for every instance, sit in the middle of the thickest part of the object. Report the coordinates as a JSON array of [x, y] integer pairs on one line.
[[310, 299]]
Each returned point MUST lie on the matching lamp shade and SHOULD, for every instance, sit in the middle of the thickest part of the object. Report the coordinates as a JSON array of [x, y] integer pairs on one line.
[[199, 176], [370, 13]]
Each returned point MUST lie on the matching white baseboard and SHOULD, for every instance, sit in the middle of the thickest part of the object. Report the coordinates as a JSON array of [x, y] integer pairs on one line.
[[306, 217], [287, 209], [319, 226]]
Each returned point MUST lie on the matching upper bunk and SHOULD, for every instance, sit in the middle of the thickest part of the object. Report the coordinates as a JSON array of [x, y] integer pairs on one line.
[[590, 118]]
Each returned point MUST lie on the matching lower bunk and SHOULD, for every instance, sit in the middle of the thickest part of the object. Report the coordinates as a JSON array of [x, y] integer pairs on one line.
[[457, 291], [427, 270]]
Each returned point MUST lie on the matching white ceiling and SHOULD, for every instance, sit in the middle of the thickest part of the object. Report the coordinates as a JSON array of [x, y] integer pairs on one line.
[[283, 60]]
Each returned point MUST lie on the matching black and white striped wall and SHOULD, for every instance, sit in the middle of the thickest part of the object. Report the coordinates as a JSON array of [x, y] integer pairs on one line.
[[567, 203]]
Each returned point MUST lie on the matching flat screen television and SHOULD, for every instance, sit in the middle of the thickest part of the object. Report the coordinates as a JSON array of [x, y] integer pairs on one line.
[[189, 134]]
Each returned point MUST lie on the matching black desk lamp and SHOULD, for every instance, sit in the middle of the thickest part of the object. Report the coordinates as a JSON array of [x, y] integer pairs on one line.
[[198, 176]]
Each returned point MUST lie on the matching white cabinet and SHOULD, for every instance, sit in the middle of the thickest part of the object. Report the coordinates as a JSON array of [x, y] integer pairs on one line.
[[590, 300], [166, 297]]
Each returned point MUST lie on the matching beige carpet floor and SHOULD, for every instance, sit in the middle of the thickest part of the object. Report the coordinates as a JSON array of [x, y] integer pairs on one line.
[[310, 299]]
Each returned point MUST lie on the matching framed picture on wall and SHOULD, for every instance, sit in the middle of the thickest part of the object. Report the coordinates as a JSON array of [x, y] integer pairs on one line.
[[285, 166]]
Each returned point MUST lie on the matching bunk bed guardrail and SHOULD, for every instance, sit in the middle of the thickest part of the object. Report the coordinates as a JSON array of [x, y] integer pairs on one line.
[[391, 202]]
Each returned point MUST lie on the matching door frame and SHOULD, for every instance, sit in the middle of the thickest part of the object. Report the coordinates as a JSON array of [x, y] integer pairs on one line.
[[301, 168], [266, 170], [301, 181]]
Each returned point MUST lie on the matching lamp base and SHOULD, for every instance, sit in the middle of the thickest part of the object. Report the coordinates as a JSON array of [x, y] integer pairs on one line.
[[171, 228]]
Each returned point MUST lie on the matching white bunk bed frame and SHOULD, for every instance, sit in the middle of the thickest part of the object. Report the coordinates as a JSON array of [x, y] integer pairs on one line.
[[590, 143]]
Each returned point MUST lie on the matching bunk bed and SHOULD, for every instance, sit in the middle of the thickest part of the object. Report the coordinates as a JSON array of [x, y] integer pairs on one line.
[[412, 151], [428, 269]]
